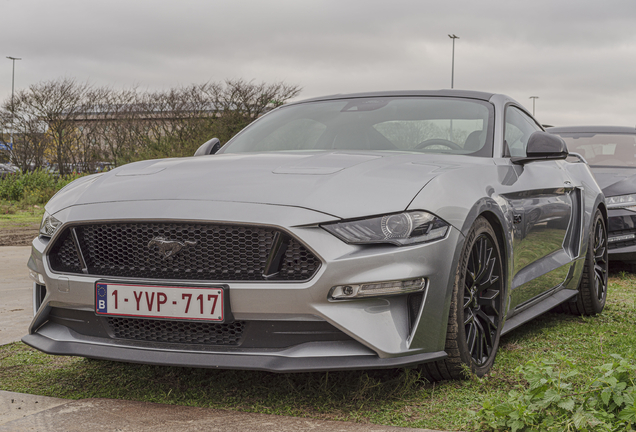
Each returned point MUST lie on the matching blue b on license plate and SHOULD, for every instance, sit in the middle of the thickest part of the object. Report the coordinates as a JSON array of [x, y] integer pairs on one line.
[[157, 301]]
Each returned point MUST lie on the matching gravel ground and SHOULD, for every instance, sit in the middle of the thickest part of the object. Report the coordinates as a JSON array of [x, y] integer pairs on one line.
[[18, 235]]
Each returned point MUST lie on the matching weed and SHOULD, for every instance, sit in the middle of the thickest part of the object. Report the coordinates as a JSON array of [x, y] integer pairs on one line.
[[552, 400]]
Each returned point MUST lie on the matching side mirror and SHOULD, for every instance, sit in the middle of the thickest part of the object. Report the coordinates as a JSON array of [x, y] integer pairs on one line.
[[543, 146], [209, 147]]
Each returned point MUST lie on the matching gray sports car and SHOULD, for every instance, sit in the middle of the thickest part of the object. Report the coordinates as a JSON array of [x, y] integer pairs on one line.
[[374, 230], [611, 153]]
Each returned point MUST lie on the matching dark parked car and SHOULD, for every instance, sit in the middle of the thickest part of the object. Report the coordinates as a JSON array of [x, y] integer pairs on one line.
[[374, 230], [6, 169], [610, 152]]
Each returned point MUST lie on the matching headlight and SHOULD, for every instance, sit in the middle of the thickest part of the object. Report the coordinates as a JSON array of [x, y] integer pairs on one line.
[[49, 225], [621, 201], [399, 229]]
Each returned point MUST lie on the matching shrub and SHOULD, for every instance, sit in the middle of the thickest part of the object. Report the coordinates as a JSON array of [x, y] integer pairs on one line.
[[552, 401], [7, 208], [33, 188], [11, 188]]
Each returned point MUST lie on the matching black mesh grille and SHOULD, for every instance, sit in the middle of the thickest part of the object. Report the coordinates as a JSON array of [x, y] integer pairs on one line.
[[186, 332], [64, 256], [299, 263], [182, 251]]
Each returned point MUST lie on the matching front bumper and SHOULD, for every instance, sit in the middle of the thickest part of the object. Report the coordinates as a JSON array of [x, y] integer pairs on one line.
[[621, 234], [378, 332]]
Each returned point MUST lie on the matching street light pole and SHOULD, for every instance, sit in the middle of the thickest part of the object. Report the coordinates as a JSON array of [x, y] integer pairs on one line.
[[534, 98], [13, 59], [453, 37]]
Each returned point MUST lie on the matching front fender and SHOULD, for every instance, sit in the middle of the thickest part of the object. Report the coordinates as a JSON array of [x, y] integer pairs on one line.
[[460, 203]]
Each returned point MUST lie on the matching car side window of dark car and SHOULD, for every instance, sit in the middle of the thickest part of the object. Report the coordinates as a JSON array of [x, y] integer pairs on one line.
[[519, 126]]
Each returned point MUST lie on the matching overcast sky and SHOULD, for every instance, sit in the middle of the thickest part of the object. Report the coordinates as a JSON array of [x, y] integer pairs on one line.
[[578, 57]]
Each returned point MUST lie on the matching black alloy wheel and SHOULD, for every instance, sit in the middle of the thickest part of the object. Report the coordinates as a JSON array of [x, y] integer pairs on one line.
[[482, 299], [593, 286], [475, 316]]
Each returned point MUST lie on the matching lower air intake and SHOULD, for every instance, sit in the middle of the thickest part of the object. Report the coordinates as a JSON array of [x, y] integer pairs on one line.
[[184, 332]]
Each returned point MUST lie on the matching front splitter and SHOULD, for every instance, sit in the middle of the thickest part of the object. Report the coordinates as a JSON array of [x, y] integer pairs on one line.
[[261, 362]]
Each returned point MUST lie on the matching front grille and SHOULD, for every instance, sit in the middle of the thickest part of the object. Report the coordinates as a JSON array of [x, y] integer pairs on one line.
[[211, 252], [185, 332]]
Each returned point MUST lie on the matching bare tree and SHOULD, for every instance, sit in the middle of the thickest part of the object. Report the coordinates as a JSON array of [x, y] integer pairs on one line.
[[56, 105], [175, 121], [250, 99], [75, 125], [237, 102], [115, 126], [30, 140]]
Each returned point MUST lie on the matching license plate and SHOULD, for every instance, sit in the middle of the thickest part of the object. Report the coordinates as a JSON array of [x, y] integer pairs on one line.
[[157, 301]]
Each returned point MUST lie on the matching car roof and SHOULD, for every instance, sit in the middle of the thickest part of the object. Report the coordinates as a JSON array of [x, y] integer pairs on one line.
[[468, 94], [593, 129]]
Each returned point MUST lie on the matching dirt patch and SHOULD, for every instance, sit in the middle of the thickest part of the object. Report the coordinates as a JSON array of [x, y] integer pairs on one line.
[[18, 235]]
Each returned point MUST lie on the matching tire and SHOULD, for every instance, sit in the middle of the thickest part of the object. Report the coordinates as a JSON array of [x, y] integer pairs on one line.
[[476, 311], [593, 286]]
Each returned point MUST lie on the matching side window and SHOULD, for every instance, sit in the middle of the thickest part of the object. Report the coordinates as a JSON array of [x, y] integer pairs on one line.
[[519, 127]]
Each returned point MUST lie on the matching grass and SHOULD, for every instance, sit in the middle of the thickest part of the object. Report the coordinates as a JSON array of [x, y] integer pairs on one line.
[[19, 222], [392, 397], [13, 214]]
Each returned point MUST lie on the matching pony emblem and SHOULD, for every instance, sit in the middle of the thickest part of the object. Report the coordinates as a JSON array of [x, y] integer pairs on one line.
[[169, 248]]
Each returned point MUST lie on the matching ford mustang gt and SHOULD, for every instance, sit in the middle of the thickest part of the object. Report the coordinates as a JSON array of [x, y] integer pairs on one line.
[[375, 230]]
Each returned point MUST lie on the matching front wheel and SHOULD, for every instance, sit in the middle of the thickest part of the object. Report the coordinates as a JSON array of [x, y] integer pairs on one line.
[[476, 310]]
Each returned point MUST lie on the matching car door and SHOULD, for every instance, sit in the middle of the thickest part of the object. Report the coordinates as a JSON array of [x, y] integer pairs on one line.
[[545, 215]]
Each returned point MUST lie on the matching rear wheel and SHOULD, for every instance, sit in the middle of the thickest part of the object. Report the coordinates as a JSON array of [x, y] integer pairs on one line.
[[476, 312], [593, 285]]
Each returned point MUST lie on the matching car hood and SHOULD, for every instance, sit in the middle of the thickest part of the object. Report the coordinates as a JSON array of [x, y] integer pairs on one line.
[[341, 184], [615, 181]]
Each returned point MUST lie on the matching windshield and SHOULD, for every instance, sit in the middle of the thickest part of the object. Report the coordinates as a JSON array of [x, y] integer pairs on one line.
[[427, 125], [615, 150]]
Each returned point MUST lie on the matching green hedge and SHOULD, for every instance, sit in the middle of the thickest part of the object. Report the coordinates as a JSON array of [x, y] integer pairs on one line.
[[34, 187]]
